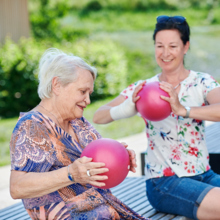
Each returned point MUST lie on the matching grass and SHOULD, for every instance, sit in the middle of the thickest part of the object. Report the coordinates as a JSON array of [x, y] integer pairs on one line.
[[117, 20], [6, 128], [116, 129]]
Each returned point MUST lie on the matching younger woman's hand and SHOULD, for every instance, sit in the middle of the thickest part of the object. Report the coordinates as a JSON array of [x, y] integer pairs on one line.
[[135, 96], [176, 107]]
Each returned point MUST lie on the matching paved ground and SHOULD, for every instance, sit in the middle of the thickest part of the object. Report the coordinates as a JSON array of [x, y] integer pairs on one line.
[[136, 142]]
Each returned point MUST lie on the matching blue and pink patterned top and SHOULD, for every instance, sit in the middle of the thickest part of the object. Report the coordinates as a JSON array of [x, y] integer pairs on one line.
[[39, 145], [176, 145]]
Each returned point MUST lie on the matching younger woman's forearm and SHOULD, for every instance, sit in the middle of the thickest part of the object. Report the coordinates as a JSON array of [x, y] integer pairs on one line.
[[209, 112], [102, 115]]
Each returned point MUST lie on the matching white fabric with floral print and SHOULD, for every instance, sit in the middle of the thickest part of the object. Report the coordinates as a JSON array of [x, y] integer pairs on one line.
[[177, 145]]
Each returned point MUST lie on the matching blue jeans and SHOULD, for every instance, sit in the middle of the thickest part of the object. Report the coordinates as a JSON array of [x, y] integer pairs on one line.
[[181, 196]]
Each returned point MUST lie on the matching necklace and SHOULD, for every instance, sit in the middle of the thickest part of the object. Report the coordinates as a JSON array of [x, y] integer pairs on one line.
[[51, 114], [177, 86]]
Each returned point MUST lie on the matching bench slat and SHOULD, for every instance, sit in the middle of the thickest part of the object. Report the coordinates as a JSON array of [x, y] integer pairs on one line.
[[145, 210], [12, 208], [167, 217], [132, 191]]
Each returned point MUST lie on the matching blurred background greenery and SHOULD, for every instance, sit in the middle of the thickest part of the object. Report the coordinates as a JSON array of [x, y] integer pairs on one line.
[[114, 36]]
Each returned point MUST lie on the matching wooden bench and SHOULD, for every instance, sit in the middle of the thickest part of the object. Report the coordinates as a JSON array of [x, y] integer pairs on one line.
[[132, 191], [213, 145]]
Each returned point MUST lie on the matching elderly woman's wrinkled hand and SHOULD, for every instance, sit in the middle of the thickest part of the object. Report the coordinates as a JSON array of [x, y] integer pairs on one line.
[[86, 172], [132, 157]]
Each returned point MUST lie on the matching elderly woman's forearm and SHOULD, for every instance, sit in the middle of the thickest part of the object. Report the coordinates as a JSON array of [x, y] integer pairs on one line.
[[30, 185]]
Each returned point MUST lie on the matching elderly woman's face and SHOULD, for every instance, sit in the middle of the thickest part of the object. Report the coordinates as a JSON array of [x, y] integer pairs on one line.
[[169, 50], [74, 97]]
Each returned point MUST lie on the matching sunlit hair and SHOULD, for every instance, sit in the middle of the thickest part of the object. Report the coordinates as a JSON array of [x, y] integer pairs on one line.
[[56, 63]]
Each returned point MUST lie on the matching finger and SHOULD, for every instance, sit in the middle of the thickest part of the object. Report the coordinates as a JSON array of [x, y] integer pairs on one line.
[[165, 98], [99, 177], [132, 169], [136, 98], [94, 172], [131, 153], [94, 165], [133, 162], [84, 159], [97, 183], [144, 82], [166, 84], [167, 87], [97, 180], [124, 144], [138, 88]]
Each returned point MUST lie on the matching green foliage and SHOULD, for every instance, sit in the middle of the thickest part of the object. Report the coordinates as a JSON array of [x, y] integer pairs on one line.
[[18, 83], [140, 65], [110, 61], [45, 21], [70, 20], [19, 63], [141, 5], [92, 6]]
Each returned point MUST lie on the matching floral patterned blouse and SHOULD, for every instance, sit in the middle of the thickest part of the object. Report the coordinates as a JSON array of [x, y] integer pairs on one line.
[[40, 145], [176, 145]]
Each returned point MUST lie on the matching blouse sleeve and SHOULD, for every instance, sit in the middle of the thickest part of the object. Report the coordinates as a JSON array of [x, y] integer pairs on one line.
[[130, 89], [30, 147], [209, 83]]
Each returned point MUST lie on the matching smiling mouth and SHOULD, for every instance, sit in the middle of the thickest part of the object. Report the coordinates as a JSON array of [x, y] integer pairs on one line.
[[166, 61], [81, 107]]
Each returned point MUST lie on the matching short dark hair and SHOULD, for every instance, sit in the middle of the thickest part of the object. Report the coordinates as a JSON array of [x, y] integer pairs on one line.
[[170, 24]]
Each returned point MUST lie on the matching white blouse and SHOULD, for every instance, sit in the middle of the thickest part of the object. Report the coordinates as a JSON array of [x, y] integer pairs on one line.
[[176, 145]]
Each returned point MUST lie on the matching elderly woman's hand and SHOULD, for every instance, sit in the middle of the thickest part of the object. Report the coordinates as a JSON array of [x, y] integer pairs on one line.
[[83, 167], [132, 157]]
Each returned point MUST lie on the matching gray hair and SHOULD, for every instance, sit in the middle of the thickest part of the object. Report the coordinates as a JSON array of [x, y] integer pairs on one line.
[[55, 63]]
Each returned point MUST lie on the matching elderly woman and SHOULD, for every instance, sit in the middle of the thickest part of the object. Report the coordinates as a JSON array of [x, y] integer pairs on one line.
[[47, 171]]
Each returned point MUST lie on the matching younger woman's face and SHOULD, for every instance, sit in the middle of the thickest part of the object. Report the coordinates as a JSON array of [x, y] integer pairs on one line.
[[170, 50]]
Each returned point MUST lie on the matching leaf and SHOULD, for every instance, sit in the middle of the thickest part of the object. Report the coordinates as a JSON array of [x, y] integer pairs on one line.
[[182, 133]]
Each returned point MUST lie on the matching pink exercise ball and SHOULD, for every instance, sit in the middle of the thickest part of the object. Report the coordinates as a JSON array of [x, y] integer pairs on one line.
[[150, 105], [114, 155]]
